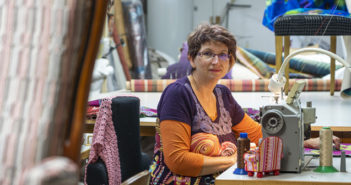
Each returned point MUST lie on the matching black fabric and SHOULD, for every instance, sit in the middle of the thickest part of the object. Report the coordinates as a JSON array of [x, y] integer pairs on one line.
[[97, 173], [312, 25], [125, 117]]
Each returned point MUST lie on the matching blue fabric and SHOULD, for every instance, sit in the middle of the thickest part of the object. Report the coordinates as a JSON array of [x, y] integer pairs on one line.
[[276, 8], [312, 67]]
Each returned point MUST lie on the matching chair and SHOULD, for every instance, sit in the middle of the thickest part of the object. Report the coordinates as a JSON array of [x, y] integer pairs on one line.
[[125, 117], [266, 158], [309, 25], [48, 52], [142, 178]]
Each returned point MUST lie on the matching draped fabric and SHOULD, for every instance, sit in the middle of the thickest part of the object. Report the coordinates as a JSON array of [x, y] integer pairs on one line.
[[276, 8], [40, 43], [105, 145]]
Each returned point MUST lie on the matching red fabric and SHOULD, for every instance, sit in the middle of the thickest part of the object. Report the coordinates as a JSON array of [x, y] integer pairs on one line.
[[92, 112]]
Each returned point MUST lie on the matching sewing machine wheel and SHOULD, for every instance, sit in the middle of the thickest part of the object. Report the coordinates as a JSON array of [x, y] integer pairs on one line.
[[272, 122]]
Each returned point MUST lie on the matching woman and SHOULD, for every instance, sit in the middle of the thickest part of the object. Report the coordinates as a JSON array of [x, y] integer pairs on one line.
[[199, 119], [195, 112]]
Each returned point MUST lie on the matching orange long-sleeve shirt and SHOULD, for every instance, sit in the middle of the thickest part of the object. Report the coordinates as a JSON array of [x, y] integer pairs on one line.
[[176, 139]]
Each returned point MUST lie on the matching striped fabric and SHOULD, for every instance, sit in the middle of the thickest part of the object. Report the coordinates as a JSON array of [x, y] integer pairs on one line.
[[234, 85], [39, 47], [206, 144], [268, 156]]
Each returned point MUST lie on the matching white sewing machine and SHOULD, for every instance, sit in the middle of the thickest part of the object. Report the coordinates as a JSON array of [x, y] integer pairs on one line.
[[286, 119]]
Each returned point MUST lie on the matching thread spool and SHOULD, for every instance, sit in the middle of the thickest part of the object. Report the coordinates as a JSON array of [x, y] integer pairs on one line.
[[243, 146], [326, 151]]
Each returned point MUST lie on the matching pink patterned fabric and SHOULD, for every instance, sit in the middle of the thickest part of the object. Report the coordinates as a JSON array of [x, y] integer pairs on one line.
[[267, 157], [251, 159], [104, 143], [40, 42], [228, 148]]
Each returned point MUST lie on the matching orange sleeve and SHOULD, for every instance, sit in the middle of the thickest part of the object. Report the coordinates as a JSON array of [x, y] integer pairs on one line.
[[251, 127], [176, 139]]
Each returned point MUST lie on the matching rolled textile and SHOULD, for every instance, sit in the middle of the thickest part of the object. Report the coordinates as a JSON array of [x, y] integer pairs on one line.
[[206, 144], [228, 148], [254, 63], [136, 35], [346, 82], [258, 85], [306, 66]]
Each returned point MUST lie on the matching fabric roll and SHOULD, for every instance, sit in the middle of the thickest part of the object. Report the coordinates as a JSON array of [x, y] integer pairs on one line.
[[255, 64], [305, 66], [346, 83], [206, 144], [136, 36], [260, 85], [228, 148]]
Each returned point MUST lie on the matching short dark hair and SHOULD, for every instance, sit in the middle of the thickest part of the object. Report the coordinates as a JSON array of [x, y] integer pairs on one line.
[[206, 33]]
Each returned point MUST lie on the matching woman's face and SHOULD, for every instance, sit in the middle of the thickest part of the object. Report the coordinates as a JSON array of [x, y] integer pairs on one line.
[[212, 61]]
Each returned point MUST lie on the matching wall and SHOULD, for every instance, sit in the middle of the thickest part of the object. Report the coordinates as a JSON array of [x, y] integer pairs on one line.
[[170, 21], [168, 24]]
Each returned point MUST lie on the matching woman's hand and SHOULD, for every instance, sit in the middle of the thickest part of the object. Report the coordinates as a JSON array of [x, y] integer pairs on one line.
[[315, 143], [233, 157], [217, 164]]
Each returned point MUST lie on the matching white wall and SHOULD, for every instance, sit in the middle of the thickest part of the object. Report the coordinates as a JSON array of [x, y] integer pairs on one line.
[[168, 24], [170, 21], [246, 25]]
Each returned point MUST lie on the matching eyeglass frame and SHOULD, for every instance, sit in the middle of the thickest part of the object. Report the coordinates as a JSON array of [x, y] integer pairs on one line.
[[213, 55]]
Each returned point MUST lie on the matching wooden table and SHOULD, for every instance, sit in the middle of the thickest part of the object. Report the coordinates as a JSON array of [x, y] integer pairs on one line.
[[147, 126], [306, 177], [344, 133]]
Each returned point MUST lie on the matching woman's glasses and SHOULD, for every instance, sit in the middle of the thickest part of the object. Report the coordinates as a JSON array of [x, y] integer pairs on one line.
[[207, 55]]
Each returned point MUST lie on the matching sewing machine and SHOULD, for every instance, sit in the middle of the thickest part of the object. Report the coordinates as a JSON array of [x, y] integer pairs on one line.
[[286, 119]]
